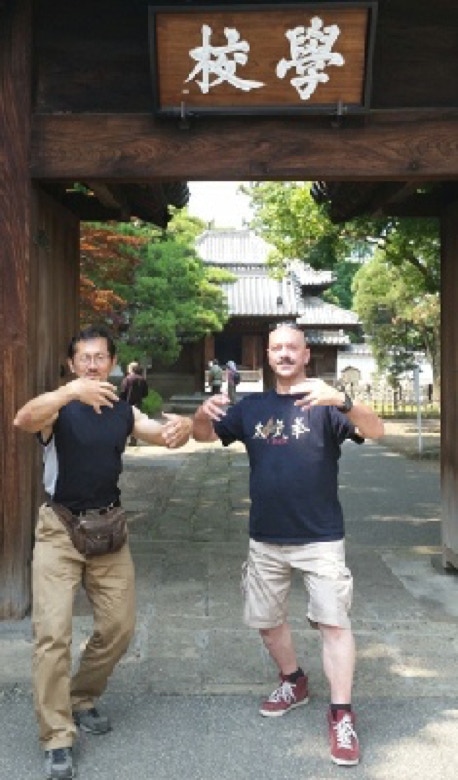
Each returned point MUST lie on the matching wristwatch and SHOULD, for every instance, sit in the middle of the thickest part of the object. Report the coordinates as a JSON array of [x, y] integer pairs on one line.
[[347, 404]]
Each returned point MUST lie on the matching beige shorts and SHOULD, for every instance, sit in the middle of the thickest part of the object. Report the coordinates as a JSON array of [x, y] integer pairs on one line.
[[266, 583]]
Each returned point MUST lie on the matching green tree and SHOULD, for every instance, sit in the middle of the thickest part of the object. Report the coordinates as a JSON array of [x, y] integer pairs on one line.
[[164, 297], [407, 263], [397, 297], [174, 301], [288, 218]]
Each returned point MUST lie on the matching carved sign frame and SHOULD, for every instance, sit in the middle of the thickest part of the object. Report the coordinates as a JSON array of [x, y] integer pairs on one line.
[[262, 60]]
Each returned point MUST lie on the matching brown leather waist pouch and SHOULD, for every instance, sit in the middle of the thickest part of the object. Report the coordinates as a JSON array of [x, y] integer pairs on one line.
[[94, 533]]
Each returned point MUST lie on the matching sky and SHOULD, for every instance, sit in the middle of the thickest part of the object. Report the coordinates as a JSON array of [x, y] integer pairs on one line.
[[219, 201]]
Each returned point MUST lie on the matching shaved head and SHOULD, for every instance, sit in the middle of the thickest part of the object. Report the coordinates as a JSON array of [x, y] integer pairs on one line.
[[288, 354], [278, 332]]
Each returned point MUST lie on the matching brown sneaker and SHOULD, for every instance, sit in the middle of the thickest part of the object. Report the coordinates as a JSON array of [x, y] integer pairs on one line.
[[343, 738], [286, 697]]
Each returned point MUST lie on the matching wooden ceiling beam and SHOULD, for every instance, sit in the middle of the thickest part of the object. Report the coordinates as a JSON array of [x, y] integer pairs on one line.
[[109, 199], [121, 202], [418, 205], [400, 146], [430, 203], [87, 207], [347, 200]]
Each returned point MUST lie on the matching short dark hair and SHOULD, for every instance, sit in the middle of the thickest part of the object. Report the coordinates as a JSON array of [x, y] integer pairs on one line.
[[88, 334]]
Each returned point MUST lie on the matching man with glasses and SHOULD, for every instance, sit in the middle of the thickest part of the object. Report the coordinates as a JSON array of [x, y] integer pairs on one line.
[[293, 435], [82, 427]]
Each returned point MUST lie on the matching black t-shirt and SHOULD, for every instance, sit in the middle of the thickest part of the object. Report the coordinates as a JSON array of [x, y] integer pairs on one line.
[[293, 456], [83, 458]]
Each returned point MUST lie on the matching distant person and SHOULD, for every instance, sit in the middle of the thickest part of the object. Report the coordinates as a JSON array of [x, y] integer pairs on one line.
[[293, 435], [233, 379], [134, 388], [209, 365], [215, 377], [83, 427]]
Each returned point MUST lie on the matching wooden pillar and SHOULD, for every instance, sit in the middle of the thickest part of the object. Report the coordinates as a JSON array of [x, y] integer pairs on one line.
[[15, 224], [449, 384]]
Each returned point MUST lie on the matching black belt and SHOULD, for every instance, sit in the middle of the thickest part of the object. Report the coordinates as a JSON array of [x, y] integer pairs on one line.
[[101, 510]]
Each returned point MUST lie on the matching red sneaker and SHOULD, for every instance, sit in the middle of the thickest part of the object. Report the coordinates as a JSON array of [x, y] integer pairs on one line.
[[286, 697], [343, 738]]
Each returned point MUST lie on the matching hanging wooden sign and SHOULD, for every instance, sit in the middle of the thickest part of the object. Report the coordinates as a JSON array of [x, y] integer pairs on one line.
[[303, 57]]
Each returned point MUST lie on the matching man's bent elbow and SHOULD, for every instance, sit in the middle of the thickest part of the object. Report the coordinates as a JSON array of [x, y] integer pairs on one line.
[[25, 422]]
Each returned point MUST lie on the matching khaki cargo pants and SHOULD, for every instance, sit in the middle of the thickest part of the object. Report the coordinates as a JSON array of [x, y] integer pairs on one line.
[[57, 571]]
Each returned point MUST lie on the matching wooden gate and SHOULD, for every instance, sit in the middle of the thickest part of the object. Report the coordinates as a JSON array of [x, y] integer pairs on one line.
[[76, 106]]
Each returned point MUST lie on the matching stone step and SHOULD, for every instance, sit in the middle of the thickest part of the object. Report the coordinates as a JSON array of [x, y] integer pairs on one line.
[[187, 404]]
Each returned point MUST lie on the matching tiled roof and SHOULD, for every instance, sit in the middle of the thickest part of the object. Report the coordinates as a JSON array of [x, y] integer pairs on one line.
[[245, 248], [314, 311], [308, 276], [329, 337], [232, 246], [255, 293]]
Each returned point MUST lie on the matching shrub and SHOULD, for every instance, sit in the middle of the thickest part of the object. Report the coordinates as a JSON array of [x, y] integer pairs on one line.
[[152, 404]]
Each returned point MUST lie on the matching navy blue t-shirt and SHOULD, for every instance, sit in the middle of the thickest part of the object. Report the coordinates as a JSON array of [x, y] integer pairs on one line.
[[293, 455], [83, 458]]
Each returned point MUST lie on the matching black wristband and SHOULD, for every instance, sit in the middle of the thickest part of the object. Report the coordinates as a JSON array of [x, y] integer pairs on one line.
[[346, 406]]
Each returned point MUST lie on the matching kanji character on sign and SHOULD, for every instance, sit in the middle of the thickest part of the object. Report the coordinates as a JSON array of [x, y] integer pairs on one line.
[[221, 62], [311, 53]]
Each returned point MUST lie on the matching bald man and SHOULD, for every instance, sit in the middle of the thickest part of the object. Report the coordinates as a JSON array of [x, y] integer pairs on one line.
[[293, 436]]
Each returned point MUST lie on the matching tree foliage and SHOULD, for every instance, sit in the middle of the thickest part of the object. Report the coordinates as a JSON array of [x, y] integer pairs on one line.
[[174, 300], [288, 218], [395, 264], [150, 286], [397, 295], [107, 268]]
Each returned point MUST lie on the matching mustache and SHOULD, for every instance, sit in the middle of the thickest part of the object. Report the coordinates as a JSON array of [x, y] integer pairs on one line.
[[285, 362]]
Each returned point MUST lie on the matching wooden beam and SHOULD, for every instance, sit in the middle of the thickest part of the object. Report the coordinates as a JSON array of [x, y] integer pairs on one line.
[[88, 209], [119, 202], [109, 199], [392, 145], [389, 199], [430, 205], [449, 386], [388, 194], [15, 307], [347, 200]]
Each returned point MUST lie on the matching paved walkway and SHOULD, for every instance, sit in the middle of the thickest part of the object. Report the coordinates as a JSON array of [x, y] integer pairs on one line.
[[184, 700]]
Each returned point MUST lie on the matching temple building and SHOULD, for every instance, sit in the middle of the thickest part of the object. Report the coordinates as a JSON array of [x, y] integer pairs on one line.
[[256, 300]]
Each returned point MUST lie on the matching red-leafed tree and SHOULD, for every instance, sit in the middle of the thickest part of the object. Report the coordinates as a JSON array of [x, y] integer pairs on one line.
[[107, 271]]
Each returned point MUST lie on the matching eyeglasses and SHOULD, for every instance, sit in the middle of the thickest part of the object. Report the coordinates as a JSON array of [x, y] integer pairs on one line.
[[99, 358], [288, 324]]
